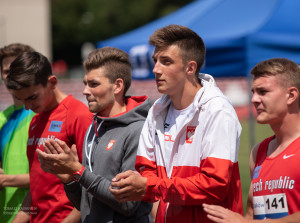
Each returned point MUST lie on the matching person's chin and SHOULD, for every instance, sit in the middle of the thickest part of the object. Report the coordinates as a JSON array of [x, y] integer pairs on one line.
[[36, 110], [92, 109], [161, 89], [261, 120]]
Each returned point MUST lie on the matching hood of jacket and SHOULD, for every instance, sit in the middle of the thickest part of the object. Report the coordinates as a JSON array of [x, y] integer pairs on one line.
[[208, 91], [137, 108]]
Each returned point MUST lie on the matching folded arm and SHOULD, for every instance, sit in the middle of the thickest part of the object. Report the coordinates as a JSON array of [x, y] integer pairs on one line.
[[18, 180]]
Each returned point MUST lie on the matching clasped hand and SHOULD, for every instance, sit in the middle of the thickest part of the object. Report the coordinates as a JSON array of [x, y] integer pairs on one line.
[[128, 186], [58, 158]]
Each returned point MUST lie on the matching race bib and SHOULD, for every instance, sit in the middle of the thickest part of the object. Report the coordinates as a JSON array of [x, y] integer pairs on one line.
[[270, 206]]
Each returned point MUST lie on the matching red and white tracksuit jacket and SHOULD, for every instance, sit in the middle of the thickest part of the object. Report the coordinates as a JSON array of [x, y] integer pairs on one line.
[[203, 166]]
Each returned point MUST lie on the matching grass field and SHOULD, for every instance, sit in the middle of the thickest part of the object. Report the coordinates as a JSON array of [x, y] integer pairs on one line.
[[261, 132]]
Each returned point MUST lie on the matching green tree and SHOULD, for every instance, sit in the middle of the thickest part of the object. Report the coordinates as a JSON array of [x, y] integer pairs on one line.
[[77, 21]]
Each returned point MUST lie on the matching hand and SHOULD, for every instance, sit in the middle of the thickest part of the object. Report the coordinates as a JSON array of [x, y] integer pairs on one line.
[[64, 178], [2, 180], [130, 186], [222, 215], [58, 158]]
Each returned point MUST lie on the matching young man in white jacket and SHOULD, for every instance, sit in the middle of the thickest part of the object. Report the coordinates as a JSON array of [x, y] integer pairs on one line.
[[188, 148]]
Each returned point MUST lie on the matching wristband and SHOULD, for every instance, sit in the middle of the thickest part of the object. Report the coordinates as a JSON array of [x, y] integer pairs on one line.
[[78, 174]]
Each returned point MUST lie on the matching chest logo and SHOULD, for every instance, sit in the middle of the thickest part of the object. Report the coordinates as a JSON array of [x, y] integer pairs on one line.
[[110, 144], [256, 172], [190, 134], [33, 127], [55, 126], [287, 156]]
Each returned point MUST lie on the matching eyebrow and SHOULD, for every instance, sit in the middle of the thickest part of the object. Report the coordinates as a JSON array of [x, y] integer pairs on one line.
[[28, 98], [257, 88], [161, 57], [5, 71]]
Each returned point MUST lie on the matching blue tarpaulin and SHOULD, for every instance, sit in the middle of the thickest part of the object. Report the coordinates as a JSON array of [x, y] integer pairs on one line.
[[237, 33]]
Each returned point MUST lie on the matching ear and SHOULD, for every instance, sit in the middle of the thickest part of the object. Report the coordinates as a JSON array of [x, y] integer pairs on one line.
[[293, 95], [191, 68], [52, 81], [118, 86]]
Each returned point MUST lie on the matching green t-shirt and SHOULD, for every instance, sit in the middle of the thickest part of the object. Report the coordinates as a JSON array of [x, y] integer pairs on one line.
[[14, 125]]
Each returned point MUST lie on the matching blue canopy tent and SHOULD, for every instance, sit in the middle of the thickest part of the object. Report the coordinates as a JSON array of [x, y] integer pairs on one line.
[[237, 33]]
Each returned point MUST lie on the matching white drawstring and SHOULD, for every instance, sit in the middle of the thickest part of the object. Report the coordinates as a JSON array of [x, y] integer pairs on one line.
[[88, 155]]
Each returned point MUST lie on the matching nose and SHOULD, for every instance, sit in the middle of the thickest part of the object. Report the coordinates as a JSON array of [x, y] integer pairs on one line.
[[4, 76], [86, 90], [156, 68], [254, 98], [27, 105]]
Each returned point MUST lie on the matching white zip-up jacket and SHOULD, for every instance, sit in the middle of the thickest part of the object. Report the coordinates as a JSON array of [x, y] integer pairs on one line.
[[204, 159]]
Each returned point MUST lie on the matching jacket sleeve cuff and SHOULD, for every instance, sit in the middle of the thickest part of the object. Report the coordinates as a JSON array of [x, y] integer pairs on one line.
[[87, 178], [150, 188], [71, 185]]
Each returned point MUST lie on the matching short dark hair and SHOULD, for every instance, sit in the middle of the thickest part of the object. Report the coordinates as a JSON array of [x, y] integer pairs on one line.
[[30, 68], [115, 61], [191, 45], [13, 50]]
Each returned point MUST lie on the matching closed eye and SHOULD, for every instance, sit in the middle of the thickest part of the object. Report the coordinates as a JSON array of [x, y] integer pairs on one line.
[[93, 84], [262, 92]]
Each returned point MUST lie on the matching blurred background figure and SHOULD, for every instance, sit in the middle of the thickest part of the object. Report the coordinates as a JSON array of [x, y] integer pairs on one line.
[[14, 124]]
